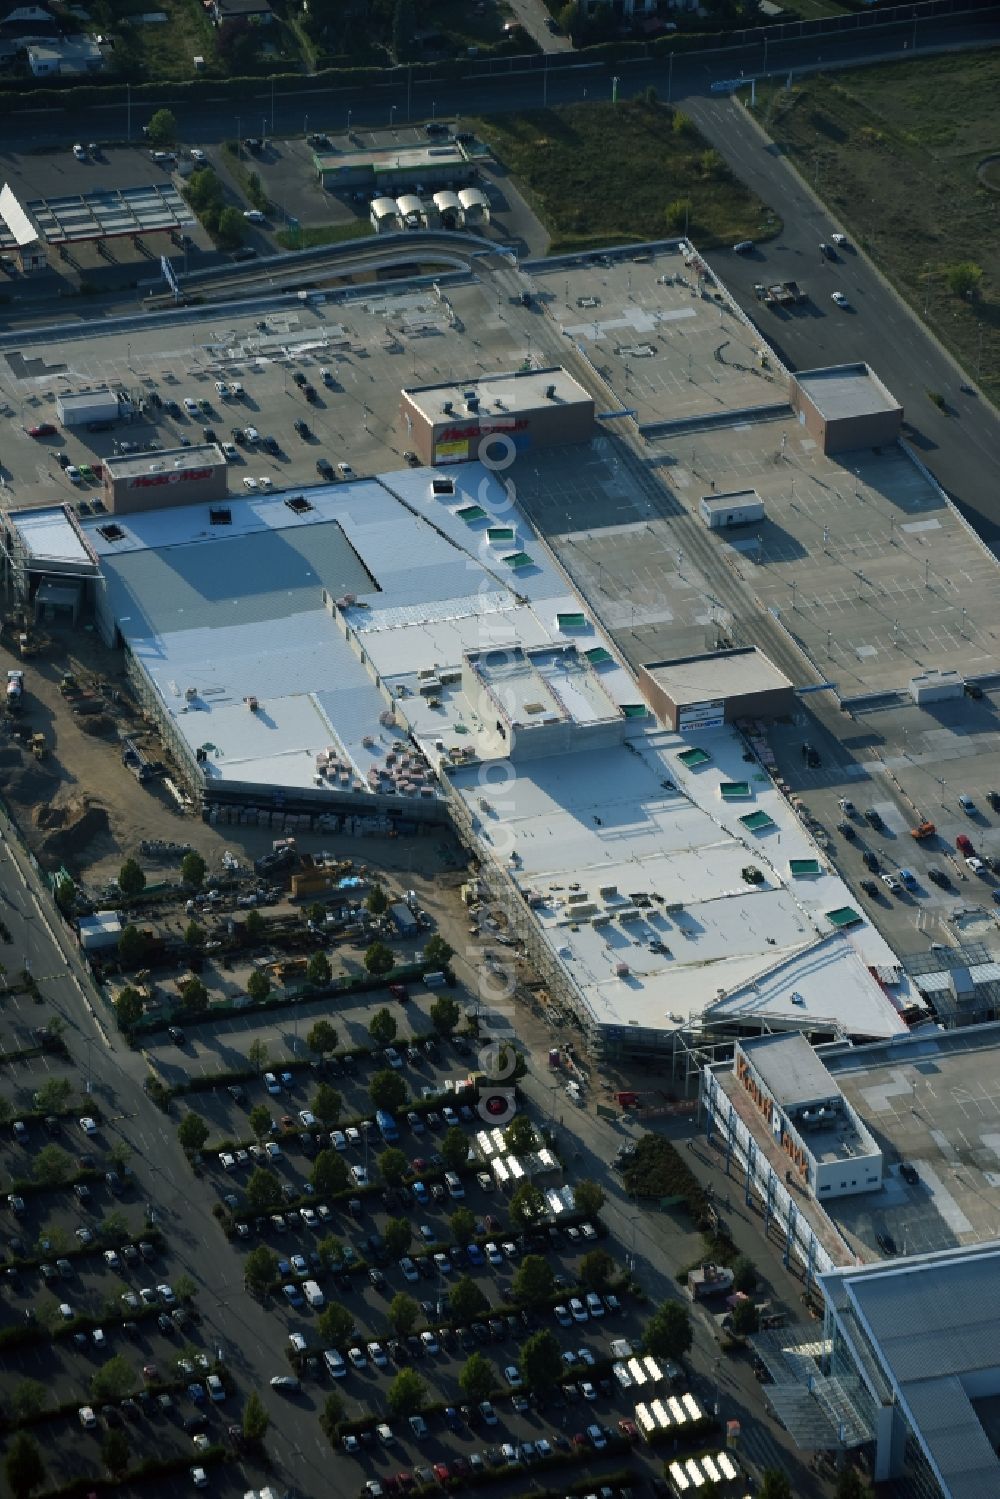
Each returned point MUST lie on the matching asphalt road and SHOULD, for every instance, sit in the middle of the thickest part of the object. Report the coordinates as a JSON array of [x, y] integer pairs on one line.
[[961, 447], [527, 83]]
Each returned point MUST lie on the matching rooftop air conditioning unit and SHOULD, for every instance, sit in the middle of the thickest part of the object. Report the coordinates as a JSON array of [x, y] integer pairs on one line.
[[550, 392], [448, 408]]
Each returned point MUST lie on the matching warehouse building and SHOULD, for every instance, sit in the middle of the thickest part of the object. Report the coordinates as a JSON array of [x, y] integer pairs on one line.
[[845, 407], [80, 407], [155, 481], [496, 415], [390, 171], [19, 234], [829, 1149], [705, 692]]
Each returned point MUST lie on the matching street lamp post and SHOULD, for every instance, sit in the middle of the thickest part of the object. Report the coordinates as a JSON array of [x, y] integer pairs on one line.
[[614, 90], [128, 116], [433, 110], [348, 122], [305, 124], [392, 116]]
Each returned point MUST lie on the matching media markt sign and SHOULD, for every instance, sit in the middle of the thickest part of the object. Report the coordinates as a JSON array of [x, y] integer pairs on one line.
[[702, 715], [178, 476]]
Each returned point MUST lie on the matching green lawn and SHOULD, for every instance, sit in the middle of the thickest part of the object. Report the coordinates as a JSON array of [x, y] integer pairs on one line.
[[603, 174], [311, 236], [899, 152]]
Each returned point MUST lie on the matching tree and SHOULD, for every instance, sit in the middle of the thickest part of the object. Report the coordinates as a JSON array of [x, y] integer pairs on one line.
[[406, 1394], [519, 1136], [462, 1224], [964, 279], [327, 1104], [318, 970], [526, 1204], [257, 1055], [335, 1324], [232, 228], [465, 1300], [185, 1288], [194, 995], [113, 1380], [255, 1418], [331, 1416], [382, 1027], [28, 1398], [437, 951], [51, 1166], [743, 1319], [774, 1485], [851, 1485], [260, 1120], [192, 1132], [193, 869], [322, 1038], [478, 1378], [263, 1190], [128, 1008], [388, 1091], [53, 1096], [403, 1314], [379, 959], [393, 1166], [162, 131], [744, 1274], [541, 1361], [331, 1251], [445, 1014], [121, 1154], [378, 902], [65, 893], [254, 926], [23, 1466], [258, 986], [596, 1270], [115, 1452], [194, 935], [398, 1235], [588, 1198], [454, 1148], [535, 1282], [131, 879], [329, 1173], [131, 946], [668, 1331], [678, 213]]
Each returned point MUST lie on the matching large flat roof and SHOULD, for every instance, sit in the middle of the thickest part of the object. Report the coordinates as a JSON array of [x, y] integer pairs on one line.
[[790, 1068], [48, 535], [498, 395], [134, 465], [716, 674], [383, 158], [846, 390], [932, 1325]]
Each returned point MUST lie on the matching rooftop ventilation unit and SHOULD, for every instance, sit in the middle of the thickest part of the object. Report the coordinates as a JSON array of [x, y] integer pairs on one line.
[[550, 392], [220, 515], [448, 408], [111, 532], [298, 503], [472, 403]]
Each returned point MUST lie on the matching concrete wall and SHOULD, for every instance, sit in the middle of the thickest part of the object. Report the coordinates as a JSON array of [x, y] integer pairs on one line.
[[458, 438], [771, 703], [841, 434], [125, 496]]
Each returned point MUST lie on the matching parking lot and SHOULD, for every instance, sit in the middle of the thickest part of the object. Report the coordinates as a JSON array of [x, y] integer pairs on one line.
[[911, 765]]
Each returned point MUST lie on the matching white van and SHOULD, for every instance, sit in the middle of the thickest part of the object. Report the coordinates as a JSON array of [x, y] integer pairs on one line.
[[314, 1296], [335, 1366], [454, 1185]]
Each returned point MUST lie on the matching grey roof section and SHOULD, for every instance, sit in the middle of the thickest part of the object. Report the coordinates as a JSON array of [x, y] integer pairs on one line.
[[266, 575], [933, 1323], [722, 674], [790, 1069], [845, 390]]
